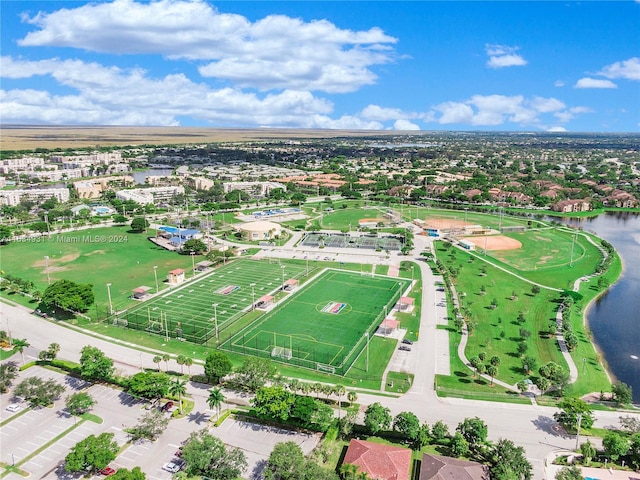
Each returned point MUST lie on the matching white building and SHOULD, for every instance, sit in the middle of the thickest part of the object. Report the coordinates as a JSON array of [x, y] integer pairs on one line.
[[255, 189], [145, 196], [38, 195], [24, 164]]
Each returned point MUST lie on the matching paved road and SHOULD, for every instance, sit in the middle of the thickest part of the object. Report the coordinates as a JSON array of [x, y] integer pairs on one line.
[[527, 425]]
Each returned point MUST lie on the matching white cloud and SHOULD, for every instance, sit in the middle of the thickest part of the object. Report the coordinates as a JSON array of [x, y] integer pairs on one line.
[[588, 82], [628, 69], [494, 110], [274, 52], [501, 56], [556, 129], [560, 83], [405, 125]]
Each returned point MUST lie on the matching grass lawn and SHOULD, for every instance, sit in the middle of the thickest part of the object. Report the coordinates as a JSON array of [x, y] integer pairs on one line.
[[341, 218], [498, 330], [325, 322], [96, 256]]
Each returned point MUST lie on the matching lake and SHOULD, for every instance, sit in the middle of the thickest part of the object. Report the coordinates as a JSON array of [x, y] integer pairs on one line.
[[615, 318]]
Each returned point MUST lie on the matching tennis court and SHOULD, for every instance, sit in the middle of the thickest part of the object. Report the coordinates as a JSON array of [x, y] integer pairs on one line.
[[343, 240], [211, 302], [323, 326]]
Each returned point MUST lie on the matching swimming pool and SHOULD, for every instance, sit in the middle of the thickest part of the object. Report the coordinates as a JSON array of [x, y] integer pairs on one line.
[[102, 210], [173, 230]]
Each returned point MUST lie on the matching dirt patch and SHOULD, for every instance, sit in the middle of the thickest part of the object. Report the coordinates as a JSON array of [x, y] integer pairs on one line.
[[372, 220], [52, 261], [495, 242], [95, 252], [446, 223], [542, 239]]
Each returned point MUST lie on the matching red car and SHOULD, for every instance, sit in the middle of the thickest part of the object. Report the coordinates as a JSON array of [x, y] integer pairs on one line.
[[107, 471]]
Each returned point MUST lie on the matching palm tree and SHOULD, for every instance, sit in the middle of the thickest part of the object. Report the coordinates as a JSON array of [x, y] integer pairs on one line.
[[54, 349], [348, 471], [165, 358], [19, 345], [215, 400], [492, 371], [352, 396], [340, 390], [188, 362], [178, 387], [180, 359], [157, 359]]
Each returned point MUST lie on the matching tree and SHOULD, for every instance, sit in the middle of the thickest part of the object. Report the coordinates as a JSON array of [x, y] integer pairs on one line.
[[217, 365], [254, 373], [188, 362], [286, 462], [207, 456], [535, 289], [440, 431], [273, 402], [91, 454], [352, 396], [635, 449], [458, 447], [139, 224], [94, 364], [571, 410], [8, 373], [149, 385], [588, 451], [408, 425], [377, 418], [149, 427], [180, 360], [492, 371], [124, 474], [38, 392], [19, 345], [215, 400], [68, 295], [495, 361], [157, 359], [51, 353], [474, 430], [119, 219], [194, 245], [615, 445], [569, 473], [622, 393], [178, 387], [165, 358], [79, 403], [508, 462]]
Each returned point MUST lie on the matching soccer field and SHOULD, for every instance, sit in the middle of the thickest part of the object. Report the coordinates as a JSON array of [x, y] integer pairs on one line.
[[188, 311], [324, 325]]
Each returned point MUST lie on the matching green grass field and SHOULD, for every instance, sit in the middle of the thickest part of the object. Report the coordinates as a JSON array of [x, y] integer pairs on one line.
[[325, 322], [188, 312]]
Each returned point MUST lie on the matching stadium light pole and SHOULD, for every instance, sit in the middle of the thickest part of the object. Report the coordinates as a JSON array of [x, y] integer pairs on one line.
[[573, 242], [282, 267], [155, 274], [367, 344], [193, 263], [253, 296], [46, 266], [215, 320], [109, 295]]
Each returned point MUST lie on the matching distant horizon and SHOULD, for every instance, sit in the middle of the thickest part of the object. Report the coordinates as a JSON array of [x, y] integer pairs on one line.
[[370, 66]]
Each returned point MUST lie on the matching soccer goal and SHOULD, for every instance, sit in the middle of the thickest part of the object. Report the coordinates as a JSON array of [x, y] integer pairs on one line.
[[323, 367], [281, 352]]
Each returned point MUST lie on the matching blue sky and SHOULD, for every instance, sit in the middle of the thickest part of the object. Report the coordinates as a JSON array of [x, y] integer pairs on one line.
[[443, 65]]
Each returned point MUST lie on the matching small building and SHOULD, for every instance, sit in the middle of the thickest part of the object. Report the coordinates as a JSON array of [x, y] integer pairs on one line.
[[438, 467], [433, 232], [261, 230], [264, 302], [176, 277], [380, 462], [203, 266], [388, 326], [181, 235], [140, 293], [290, 285], [467, 244], [405, 304]]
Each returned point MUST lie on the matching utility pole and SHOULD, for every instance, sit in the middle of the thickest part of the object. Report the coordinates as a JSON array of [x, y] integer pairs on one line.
[[578, 431]]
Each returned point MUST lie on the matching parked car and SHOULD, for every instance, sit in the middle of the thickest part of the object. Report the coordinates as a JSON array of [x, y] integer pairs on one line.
[[167, 406], [407, 342], [404, 348], [174, 466], [107, 471], [14, 407]]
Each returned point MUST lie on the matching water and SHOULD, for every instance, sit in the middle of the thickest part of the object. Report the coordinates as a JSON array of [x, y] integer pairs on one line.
[[141, 175], [615, 318]]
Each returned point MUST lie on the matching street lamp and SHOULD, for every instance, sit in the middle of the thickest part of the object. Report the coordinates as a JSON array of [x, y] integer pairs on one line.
[[109, 294], [215, 319], [46, 266], [193, 262], [155, 274], [573, 241], [253, 296]]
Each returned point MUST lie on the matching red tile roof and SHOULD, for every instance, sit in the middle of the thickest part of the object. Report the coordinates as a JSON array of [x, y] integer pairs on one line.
[[380, 462]]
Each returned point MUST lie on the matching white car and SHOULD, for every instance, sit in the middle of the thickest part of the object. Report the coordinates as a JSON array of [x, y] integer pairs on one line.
[[14, 407], [174, 467]]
